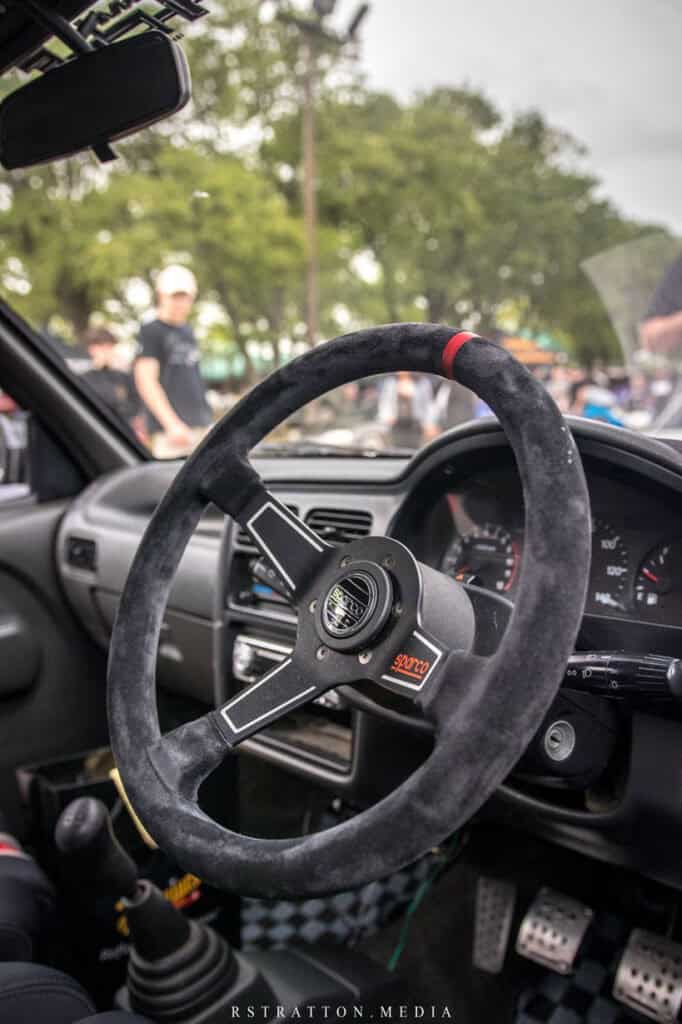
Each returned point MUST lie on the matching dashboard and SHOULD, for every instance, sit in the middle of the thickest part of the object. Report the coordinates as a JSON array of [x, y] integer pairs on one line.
[[458, 505]]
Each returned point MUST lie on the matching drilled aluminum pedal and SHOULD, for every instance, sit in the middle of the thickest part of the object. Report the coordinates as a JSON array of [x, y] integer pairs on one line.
[[649, 976], [494, 911], [552, 931]]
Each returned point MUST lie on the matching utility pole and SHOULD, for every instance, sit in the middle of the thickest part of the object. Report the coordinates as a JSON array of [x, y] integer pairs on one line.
[[309, 185], [313, 32]]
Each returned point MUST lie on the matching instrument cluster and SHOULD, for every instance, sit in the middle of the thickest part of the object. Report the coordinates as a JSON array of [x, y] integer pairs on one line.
[[636, 570]]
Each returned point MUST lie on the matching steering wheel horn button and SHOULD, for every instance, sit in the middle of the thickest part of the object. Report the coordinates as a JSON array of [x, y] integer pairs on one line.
[[355, 607], [350, 604]]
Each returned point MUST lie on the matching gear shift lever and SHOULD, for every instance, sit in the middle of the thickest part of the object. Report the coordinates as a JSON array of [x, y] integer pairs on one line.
[[86, 840], [87, 843], [176, 966]]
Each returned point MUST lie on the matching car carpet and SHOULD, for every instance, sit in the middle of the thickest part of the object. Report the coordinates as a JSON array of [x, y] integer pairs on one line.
[[436, 957], [344, 918], [271, 805]]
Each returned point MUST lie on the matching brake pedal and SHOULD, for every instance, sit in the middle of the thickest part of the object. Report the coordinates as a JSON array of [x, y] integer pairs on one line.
[[552, 931], [495, 900], [649, 976]]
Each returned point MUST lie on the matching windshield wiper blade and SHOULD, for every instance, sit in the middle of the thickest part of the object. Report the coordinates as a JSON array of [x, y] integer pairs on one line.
[[315, 449]]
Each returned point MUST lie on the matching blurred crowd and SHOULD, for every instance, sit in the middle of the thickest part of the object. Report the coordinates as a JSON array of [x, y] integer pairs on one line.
[[639, 399], [158, 390], [406, 410], [401, 410]]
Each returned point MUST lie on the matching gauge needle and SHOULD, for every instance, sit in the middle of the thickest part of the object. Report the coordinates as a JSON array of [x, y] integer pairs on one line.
[[650, 576]]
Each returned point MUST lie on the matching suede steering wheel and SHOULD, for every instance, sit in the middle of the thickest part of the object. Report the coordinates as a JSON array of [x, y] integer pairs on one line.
[[366, 611]]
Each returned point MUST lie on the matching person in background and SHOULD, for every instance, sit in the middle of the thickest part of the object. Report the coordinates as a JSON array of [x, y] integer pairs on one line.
[[114, 386], [661, 328], [167, 368], [559, 386], [593, 402], [452, 404], [406, 409]]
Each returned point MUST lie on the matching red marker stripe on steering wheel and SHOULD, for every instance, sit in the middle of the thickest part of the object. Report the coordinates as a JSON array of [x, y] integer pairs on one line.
[[452, 348]]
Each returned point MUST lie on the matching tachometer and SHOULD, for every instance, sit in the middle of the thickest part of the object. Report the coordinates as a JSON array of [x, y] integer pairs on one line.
[[610, 567], [658, 583], [488, 553]]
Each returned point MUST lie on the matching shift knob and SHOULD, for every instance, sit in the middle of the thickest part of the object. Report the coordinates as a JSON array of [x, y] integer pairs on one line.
[[85, 839]]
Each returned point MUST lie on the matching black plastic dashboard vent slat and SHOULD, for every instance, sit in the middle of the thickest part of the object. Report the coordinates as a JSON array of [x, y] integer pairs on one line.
[[340, 525]]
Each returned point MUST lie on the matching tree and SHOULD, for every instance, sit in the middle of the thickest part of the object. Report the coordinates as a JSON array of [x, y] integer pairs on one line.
[[74, 234], [463, 214], [235, 231], [59, 253], [435, 208]]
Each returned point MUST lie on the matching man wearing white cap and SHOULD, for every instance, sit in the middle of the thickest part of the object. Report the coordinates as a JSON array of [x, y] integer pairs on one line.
[[167, 367]]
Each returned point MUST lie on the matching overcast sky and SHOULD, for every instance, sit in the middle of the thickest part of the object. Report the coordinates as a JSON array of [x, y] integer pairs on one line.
[[609, 71]]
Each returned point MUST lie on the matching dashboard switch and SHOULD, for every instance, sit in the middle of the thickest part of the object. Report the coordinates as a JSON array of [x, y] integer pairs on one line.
[[262, 572]]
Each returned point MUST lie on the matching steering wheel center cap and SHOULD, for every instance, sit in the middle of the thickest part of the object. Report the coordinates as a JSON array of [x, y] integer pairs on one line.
[[355, 607], [349, 604]]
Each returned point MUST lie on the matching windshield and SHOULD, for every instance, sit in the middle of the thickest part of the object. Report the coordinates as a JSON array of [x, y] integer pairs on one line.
[[511, 169]]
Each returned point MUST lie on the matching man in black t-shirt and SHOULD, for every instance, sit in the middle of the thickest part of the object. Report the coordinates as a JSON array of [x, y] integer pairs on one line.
[[114, 386], [661, 329], [167, 367]]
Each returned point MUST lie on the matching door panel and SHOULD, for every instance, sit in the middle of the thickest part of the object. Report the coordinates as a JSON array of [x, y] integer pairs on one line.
[[52, 677]]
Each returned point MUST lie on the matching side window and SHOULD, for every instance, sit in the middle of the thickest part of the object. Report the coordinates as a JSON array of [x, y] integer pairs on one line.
[[13, 450]]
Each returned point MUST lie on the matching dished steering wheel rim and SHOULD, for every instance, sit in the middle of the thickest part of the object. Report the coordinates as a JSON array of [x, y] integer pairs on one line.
[[416, 637]]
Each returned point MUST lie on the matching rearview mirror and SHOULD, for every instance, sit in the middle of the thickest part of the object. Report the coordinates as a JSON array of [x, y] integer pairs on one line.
[[93, 99]]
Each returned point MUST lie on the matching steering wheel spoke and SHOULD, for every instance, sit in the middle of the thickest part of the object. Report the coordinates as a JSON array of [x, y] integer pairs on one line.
[[415, 664], [280, 691], [294, 551]]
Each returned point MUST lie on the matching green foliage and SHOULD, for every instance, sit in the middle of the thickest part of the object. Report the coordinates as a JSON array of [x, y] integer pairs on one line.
[[460, 215], [465, 216]]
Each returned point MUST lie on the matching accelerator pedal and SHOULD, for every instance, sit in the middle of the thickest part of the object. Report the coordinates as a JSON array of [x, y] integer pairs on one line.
[[649, 976], [552, 931], [495, 900]]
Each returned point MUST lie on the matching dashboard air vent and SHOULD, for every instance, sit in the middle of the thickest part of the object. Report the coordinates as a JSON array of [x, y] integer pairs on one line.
[[243, 538], [340, 525]]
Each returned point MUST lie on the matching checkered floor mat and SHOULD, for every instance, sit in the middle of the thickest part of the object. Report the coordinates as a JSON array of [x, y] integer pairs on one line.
[[346, 917], [585, 996]]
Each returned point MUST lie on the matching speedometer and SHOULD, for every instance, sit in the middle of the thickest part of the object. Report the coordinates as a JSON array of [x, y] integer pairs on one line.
[[488, 554], [610, 567]]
